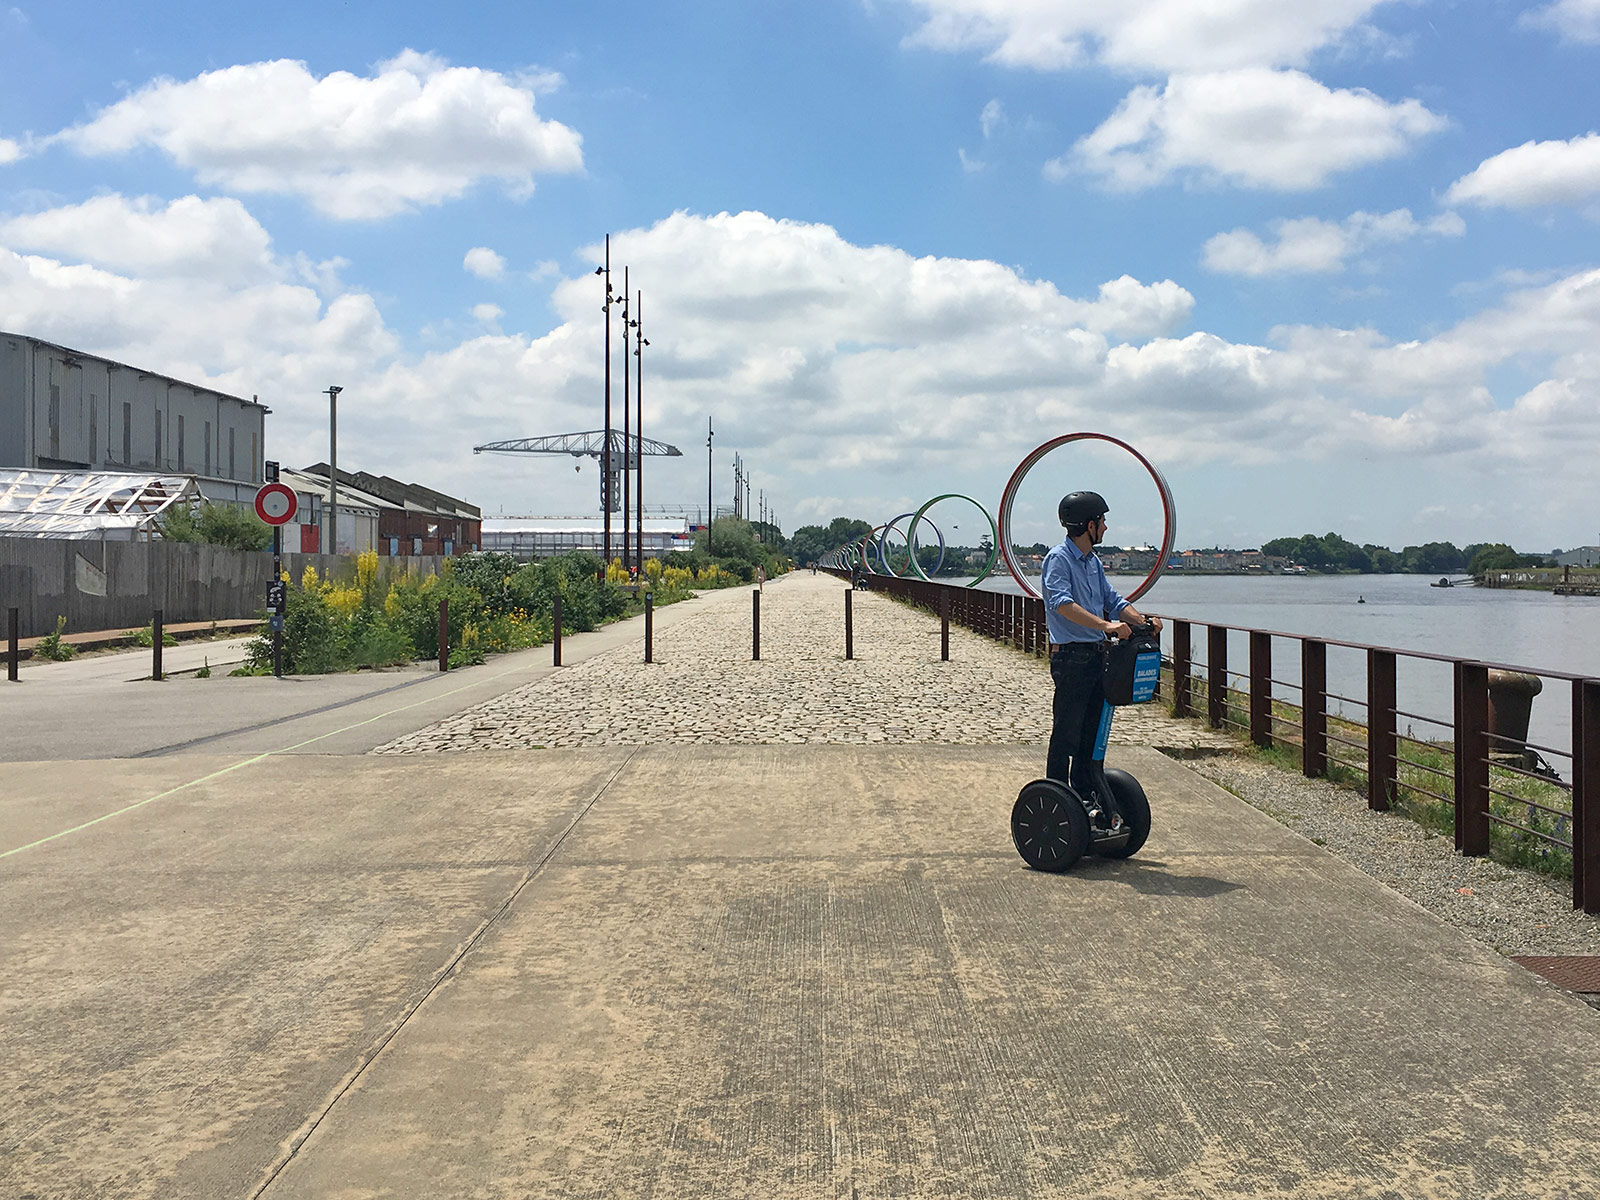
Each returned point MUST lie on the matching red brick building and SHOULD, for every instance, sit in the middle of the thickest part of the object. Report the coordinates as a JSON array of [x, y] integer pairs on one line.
[[414, 520]]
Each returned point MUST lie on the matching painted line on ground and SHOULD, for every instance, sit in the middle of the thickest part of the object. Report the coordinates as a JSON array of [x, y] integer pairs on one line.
[[252, 760]]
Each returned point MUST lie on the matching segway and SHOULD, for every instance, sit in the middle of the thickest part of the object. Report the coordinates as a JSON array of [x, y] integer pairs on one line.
[[1053, 826]]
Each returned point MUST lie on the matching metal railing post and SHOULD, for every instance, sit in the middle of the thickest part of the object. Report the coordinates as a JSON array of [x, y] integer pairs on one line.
[[1216, 674], [1313, 708], [1586, 795], [755, 625], [13, 644], [444, 634], [157, 628], [849, 628], [1261, 688], [1472, 758], [555, 629], [944, 627], [1181, 661], [649, 624], [1383, 766]]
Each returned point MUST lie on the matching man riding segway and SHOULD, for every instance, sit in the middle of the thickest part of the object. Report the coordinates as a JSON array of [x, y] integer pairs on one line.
[[1077, 807]]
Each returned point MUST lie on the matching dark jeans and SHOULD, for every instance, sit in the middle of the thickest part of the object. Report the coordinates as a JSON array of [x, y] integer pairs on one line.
[[1079, 702]]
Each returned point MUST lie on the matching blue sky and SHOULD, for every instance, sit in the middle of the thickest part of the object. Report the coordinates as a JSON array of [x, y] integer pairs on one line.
[[1330, 265]]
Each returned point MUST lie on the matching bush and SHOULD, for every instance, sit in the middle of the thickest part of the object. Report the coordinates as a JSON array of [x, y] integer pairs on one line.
[[51, 646], [147, 636], [217, 524]]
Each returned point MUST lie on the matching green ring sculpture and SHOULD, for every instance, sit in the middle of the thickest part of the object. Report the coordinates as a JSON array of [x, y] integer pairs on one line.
[[994, 536]]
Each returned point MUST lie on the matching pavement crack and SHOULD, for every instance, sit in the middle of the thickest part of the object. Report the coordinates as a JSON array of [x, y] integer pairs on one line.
[[303, 1135]]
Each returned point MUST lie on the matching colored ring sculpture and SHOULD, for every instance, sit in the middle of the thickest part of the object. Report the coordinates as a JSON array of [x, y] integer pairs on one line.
[[1008, 498], [994, 547], [883, 548]]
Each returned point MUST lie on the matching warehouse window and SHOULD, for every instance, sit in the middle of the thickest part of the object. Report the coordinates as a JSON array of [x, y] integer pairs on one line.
[[127, 435], [55, 421], [180, 442], [232, 471]]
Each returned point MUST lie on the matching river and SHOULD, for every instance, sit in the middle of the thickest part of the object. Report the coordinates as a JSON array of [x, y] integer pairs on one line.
[[1535, 630]]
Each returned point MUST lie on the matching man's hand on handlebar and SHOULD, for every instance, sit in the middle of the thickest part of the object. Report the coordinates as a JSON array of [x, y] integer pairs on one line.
[[1120, 630]]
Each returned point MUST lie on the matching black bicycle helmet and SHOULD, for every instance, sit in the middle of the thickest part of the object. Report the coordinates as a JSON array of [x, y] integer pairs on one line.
[[1079, 508]]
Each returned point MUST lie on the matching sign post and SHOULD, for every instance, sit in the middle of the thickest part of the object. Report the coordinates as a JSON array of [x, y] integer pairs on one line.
[[276, 504]]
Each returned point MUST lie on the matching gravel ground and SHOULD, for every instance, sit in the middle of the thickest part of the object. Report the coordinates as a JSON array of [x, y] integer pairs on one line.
[[1516, 912]]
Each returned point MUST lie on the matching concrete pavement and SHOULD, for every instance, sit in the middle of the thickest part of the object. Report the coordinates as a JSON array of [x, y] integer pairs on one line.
[[751, 970]]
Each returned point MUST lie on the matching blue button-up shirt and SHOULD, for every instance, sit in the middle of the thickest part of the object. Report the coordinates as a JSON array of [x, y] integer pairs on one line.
[[1071, 576]]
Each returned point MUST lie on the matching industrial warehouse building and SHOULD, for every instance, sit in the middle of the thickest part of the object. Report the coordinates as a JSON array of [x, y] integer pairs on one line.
[[544, 537], [63, 410]]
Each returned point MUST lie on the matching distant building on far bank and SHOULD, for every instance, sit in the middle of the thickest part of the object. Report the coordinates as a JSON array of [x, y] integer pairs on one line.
[[64, 410], [1582, 556]]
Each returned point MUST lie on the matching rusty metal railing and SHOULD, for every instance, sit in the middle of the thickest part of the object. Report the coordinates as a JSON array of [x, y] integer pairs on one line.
[[1464, 775]]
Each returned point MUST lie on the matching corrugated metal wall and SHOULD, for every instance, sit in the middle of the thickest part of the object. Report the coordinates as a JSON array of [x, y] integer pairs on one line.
[[116, 585]]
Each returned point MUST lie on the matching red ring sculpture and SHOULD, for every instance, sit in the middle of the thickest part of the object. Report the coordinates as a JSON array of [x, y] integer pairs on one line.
[[1169, 512]]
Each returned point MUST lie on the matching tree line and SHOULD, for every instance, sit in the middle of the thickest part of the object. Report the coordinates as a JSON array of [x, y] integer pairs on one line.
[[1330, 552]]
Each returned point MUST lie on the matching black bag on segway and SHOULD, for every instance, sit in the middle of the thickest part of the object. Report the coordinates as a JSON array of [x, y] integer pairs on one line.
[[1133, 668]]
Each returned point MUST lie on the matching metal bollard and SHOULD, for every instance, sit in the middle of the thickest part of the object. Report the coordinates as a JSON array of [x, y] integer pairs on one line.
[[156, 627], [13, 648], [849, 630], [755, 625], [556, 658], [649, 626], [944, 626], [444, 635]]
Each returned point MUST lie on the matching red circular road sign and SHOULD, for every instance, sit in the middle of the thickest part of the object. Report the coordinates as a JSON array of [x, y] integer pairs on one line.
[[275, 503]]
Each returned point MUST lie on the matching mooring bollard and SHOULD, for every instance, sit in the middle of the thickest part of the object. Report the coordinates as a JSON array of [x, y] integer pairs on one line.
[[444, 635], [649, 626], [849, 630], [13, 645], [556, 659], [155, 644], [944, 626], [755, 625]]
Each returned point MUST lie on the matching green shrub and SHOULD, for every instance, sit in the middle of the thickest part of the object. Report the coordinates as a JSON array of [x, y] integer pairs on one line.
[[147, 636], [218, 525], [52, 647]]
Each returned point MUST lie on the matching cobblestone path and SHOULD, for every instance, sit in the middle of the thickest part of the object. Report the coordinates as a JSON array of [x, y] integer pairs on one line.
[[704, 687]]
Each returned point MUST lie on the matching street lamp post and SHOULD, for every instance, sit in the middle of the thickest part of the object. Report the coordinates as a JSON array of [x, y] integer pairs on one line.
[[710, 433], [333, 471], [627, 427], [605, 445], [639, 343]]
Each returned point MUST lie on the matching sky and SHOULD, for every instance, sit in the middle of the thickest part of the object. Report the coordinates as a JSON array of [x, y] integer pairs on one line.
[[1329, 266]]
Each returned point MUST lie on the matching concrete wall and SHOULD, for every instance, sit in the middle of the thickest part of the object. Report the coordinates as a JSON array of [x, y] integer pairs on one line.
[[115, 585]]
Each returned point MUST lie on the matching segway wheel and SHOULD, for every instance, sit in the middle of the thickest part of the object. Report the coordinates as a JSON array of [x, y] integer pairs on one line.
[[1135, 809], [1049, 826]]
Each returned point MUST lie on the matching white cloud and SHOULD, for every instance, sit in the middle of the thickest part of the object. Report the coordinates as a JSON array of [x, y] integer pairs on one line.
[[194, 237], [1534, 173], [846, 371], [991, 118], [417, 132], [484, 263], [1571, 20], [1140, 35], [10, 151], [969, 164], [1280, 130], [487, 314], [1310, 245]]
